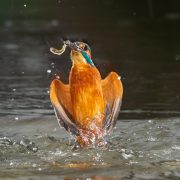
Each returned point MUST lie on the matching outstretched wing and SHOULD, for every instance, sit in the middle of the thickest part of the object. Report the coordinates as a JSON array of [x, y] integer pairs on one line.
[[112, 92], [61, 101]]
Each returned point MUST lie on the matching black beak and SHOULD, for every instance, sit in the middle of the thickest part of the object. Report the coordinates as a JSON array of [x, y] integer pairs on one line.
[[73, 46]]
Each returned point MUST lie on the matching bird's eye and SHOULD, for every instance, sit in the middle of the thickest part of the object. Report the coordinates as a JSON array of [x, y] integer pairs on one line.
[[85, 48]]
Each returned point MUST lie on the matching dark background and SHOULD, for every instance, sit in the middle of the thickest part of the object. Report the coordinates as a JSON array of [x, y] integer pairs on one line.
[[138, 39]]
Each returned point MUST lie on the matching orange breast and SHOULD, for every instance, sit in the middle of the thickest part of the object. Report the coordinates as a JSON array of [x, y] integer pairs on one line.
[[86, 95]]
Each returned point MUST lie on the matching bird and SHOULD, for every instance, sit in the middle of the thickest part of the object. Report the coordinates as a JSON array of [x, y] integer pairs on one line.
[[88, 106]]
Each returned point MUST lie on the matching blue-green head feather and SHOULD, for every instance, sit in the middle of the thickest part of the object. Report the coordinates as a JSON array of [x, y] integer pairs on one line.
[[88, 59]]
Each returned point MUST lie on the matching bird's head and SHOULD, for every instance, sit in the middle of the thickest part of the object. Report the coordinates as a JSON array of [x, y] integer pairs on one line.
[[80, 52]]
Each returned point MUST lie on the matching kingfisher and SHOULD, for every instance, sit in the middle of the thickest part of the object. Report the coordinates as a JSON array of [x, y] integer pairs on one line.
[[88, 106]]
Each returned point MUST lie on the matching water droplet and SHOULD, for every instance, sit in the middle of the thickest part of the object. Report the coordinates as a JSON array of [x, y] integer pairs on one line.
[[57, 77], [16, 118], [52, 65], [34, 149], [39, 169], [14, 90], [176, 147], [149, 121], [34, 165], [133, 162], [119, 77], [97, 157], [151, 139], [126, 156], [11, 163], [49, 71], [123, 150]]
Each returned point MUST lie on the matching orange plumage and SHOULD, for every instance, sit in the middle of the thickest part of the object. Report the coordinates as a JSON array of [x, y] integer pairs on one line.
[[87, 106]]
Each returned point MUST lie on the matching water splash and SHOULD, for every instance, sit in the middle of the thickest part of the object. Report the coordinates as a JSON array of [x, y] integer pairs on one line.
[[94, 135], [5, 141], [123, 155], [29, 145]]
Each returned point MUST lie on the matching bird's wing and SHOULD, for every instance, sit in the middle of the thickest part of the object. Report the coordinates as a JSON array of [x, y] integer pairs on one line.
[[61, 101], [112, 92]]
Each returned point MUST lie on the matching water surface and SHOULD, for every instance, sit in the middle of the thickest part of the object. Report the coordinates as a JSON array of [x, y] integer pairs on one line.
[[148, 149]]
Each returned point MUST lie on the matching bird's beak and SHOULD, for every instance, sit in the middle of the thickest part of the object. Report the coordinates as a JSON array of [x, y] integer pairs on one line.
[[73, 46]]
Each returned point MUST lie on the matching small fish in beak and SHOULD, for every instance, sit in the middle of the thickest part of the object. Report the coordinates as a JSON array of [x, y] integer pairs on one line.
[[74, 46]]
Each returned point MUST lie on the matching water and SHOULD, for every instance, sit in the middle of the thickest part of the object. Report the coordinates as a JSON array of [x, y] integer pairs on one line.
[[148, 149], [146, 141]]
